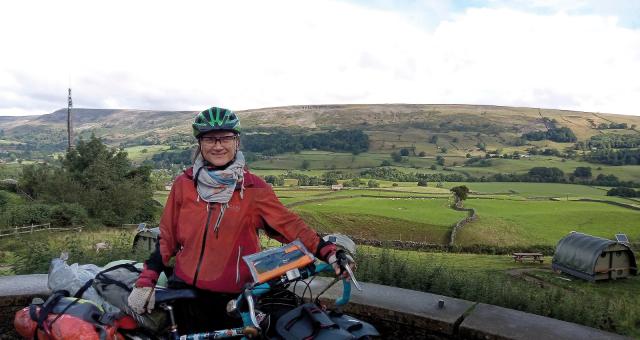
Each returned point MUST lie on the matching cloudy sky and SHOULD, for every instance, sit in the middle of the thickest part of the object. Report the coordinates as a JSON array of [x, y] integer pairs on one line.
[[189, 55]]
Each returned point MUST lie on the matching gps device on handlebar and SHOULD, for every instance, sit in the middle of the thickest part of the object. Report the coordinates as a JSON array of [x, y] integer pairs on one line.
[[273, 263]]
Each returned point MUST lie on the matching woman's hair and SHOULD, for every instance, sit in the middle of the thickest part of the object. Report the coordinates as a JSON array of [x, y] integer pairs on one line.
[[195, 153]]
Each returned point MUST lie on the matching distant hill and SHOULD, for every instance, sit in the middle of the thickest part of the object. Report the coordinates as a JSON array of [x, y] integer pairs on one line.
[[134, 127]]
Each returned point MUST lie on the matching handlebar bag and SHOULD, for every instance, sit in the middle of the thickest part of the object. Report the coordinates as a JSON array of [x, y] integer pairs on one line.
[[309, 322], [357, 328]]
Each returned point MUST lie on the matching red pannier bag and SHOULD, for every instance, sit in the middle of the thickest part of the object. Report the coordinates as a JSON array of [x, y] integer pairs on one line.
[[66, 318]]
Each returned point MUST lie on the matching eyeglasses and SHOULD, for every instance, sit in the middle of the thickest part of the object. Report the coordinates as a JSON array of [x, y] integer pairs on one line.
[[224, 140]]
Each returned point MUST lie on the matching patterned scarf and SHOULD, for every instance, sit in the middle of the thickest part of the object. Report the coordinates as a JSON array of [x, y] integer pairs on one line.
[[217, 186]]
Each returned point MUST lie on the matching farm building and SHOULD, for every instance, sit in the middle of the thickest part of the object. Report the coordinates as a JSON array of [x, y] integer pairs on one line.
[[593, 258]]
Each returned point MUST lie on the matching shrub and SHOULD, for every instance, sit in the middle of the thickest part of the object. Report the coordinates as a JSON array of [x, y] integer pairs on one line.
[[274, 180], [68, 214], [396, 157], [422, 183], [622, 192], [19, 215], [3, 199]]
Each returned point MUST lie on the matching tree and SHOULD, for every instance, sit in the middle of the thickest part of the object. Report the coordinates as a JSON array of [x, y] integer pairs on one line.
[[356, 182], [623, 192], [422, 183], [305, 164], [460, 193], [433, 139], [373, 184], [582, 171], [544, 174], [404, 152], [100, 179], [440, 160], [385, 163], [422, 154], [274, 180], [396, 157]]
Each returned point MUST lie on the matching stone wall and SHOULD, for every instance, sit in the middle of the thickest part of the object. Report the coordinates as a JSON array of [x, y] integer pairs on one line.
[[471, 216], [16, 292], [397, 313]]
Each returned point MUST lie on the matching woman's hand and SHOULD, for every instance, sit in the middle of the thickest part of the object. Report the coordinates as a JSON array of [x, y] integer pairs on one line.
[[339, 260], [142, 299]]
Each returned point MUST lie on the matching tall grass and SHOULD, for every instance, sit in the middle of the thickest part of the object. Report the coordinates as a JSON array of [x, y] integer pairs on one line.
[[618, 314], [28, 255]]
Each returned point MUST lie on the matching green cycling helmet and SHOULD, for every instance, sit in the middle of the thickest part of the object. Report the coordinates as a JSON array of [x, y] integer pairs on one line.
[[215, 119]]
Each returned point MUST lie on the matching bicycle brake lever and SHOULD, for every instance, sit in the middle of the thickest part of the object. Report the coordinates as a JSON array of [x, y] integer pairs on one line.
[[353, 278], [252, 311]]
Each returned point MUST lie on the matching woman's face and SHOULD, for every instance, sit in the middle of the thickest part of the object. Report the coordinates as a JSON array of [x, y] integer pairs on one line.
[[219, 147]]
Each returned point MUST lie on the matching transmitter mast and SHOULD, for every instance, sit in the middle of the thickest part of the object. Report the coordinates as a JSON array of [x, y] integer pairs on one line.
[[69, 125]]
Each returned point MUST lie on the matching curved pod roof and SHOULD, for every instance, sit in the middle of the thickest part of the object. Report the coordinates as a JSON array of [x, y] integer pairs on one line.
[[578, 251]]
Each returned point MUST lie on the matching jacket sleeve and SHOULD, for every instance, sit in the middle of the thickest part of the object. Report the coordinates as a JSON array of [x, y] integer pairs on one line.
[[169, 223], [290, 226], [166, 245]]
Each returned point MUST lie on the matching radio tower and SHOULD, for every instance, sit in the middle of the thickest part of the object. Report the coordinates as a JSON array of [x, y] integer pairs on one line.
[[69, 126]]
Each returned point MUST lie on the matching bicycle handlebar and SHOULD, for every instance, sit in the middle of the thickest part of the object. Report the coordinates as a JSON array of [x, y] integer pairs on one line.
[[249, 317]]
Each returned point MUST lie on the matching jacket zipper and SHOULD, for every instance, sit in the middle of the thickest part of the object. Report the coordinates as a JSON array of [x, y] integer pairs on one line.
[[238, 264], [204, 242]]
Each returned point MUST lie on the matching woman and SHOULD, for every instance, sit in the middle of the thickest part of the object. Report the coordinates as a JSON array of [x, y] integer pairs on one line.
[[211, 220]]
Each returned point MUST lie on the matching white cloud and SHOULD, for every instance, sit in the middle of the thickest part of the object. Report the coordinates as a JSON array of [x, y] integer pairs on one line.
[[249, 54]]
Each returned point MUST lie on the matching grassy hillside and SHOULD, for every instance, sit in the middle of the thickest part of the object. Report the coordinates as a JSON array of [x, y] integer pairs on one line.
[[383, 122]]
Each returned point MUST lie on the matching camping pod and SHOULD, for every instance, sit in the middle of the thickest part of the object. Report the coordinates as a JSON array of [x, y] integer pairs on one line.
[[593, 258], [146, 239]]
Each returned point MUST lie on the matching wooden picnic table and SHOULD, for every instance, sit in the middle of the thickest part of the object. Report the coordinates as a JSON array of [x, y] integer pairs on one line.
[[521, 257]]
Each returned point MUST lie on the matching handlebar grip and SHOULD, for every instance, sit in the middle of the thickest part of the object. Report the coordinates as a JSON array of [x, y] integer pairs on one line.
[[346, 284], [346, 293]]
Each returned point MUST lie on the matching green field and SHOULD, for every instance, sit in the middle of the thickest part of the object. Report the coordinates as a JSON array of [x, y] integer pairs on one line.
[[507, 222], [140, 153], [10, 170], [161, 197], [510, 214], [533, 190], [499, 165], [416, 219], [323, 160], [320, 161]]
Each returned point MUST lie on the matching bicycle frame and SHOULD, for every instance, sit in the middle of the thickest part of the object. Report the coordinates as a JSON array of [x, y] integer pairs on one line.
[[251, 327]]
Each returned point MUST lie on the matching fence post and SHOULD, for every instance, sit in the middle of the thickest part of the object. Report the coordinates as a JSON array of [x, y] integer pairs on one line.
[[31, 229]]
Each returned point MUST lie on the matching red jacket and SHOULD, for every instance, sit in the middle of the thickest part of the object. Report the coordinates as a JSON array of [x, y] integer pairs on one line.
[[212, 260]]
